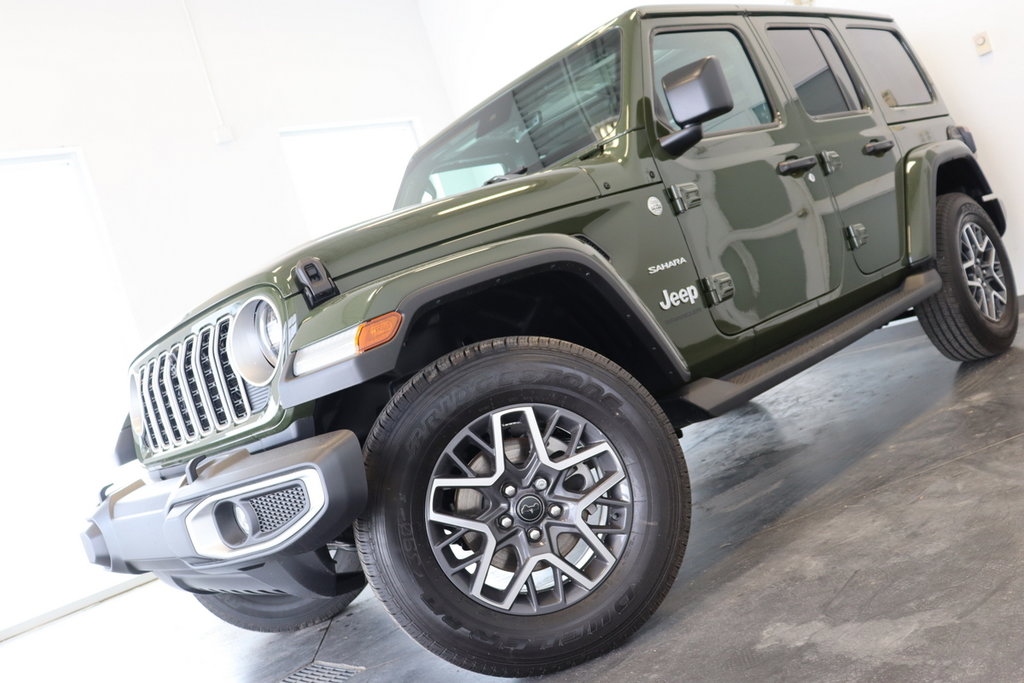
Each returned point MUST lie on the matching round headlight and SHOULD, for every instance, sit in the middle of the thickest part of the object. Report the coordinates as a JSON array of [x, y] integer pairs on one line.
[[135, 405], [268, 326], [255, 343]]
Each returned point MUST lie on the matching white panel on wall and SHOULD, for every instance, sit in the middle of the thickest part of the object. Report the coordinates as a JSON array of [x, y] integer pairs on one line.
[[66, 345], [346, 174]]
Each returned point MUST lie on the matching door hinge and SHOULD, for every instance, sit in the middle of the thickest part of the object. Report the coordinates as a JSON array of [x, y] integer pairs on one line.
[[830, 161], [856, 236], [684, 196], [717, 288]]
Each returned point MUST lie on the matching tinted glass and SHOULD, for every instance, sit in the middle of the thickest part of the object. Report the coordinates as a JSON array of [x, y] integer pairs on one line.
[[568, 106], [812, 63], [675, 50], [889, 69]]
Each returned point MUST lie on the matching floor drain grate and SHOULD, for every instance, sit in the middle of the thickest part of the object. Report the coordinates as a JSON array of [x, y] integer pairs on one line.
[[321, 672]]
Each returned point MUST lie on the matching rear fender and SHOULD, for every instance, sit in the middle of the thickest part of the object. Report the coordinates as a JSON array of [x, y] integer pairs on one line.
[[932, 169]]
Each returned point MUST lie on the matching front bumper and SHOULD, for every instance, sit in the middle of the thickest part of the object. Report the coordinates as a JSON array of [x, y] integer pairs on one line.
[[242, 522]]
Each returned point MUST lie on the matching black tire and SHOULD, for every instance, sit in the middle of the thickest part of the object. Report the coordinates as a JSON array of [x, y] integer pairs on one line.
[[962, 320], [275, 613], [544, 628]]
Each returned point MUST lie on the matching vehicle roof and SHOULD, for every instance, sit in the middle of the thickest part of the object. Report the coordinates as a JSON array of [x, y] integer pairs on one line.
[[651, 11]]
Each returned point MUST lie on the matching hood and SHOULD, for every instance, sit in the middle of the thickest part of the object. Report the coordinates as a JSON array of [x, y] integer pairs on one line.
[[406, 233]]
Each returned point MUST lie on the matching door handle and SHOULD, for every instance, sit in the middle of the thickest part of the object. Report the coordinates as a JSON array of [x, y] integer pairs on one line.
[[877, 148], [796, 166]]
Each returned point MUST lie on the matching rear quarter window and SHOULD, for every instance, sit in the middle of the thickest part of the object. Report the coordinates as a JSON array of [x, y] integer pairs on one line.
[[891, 72]]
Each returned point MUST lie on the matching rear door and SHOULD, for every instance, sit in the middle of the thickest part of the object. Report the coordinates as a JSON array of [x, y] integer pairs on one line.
[[762, 226], [855, 148]]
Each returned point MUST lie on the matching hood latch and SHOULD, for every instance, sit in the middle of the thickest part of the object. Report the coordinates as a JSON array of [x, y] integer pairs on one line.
[[316, 283]]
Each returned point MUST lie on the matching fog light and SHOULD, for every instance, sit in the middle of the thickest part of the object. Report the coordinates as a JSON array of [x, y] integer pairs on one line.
[[255, 516], [242, 517], [235, 522]]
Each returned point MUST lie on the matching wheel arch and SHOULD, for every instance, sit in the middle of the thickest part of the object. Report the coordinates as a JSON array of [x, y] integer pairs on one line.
[[544, 285], [564, 298], [940, 168]]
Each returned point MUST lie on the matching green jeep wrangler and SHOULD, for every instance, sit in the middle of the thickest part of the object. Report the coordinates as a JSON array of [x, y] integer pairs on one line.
[[474, 402]]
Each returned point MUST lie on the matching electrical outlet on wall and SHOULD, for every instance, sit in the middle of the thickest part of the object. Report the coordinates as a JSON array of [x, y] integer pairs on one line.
[[982, 44]]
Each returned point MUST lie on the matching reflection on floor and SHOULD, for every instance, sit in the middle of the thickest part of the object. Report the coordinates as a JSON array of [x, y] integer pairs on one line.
[[860, 521]]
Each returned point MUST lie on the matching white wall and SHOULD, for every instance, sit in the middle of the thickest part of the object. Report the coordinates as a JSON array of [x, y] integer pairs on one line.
[[983, 93], [63, 384], [124, 81], [330, 169], [482, 46], [180, 216]]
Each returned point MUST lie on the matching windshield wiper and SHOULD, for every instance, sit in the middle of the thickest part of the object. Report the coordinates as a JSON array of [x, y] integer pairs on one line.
[[507, 176]]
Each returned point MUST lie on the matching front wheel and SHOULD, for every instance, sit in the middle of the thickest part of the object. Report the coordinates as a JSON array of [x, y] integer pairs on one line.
[[529, 506], [974, 315]]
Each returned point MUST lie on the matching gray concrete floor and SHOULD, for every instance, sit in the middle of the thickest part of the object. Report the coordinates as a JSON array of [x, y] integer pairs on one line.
[[861, 521]]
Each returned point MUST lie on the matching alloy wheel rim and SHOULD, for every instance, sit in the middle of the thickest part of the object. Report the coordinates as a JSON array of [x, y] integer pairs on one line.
[[528, 509], [983, 270]]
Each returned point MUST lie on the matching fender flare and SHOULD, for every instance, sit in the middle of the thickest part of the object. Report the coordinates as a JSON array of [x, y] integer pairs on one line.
[[921, 167], [415, 291]]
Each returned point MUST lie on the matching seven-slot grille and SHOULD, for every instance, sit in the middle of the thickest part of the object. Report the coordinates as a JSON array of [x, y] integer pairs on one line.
[[191, 390]]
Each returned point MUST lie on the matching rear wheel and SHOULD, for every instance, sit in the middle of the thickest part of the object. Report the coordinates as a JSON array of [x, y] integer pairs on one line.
[[529, 506], [974, 315]]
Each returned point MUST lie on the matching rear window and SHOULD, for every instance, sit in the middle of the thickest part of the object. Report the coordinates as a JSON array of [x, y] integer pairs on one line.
[[889, 68]]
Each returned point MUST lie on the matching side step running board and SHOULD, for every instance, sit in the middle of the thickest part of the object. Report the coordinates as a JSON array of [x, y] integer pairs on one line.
[[714, 397]]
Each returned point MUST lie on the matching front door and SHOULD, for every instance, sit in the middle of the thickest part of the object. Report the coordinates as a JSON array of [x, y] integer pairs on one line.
[[765, 222], [853, 142]]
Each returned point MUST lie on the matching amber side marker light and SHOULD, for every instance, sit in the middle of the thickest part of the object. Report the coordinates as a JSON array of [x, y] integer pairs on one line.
[[380, 330], [347, 344]]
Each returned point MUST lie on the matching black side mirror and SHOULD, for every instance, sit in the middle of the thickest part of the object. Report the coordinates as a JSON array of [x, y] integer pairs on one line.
[[696, 93]]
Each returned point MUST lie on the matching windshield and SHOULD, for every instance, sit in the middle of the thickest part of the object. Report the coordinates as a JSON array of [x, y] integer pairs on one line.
[[568, 106]]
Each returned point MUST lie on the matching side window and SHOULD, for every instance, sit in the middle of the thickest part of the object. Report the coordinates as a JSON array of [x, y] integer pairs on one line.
[[889, 68], [675, 50], [812, 63]]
